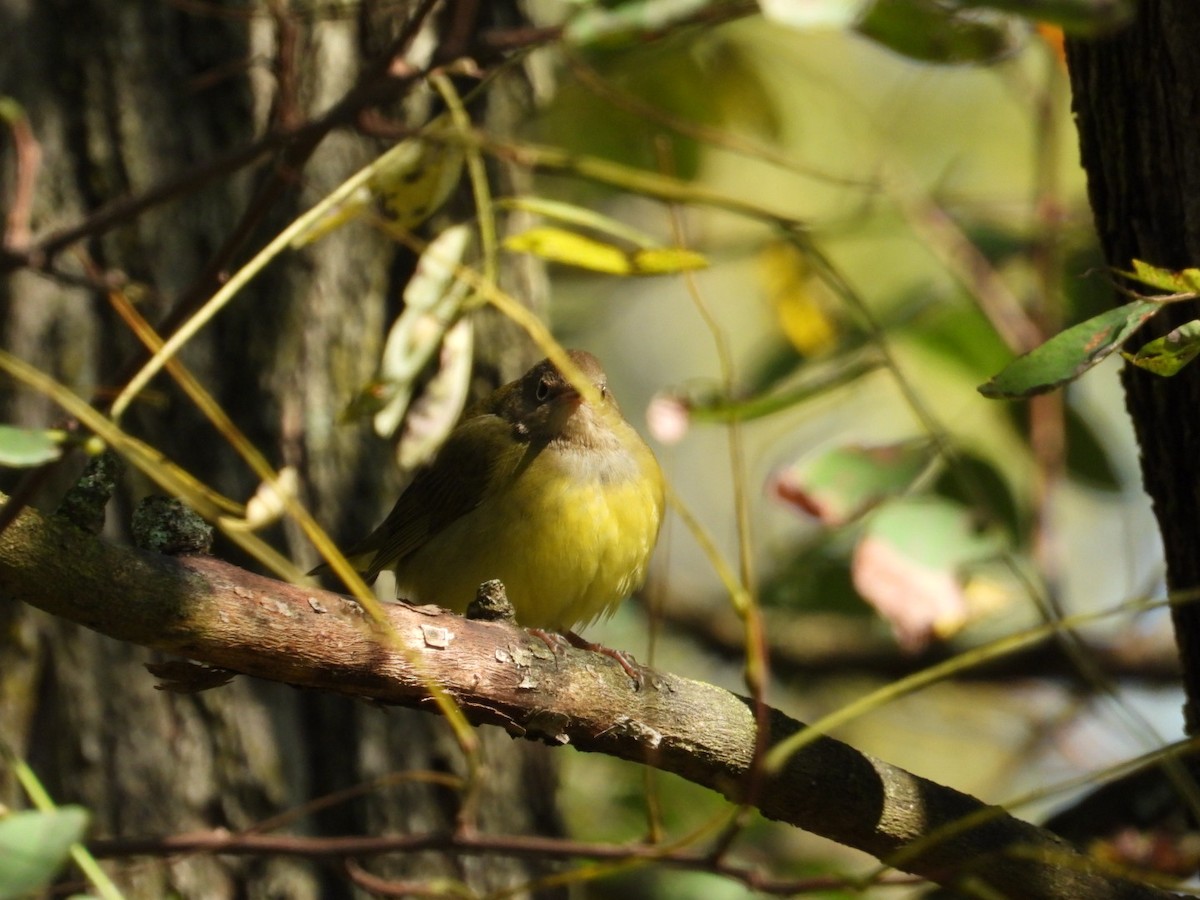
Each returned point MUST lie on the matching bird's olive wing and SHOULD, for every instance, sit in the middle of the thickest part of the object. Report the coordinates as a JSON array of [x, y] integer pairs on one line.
[[478, 450]]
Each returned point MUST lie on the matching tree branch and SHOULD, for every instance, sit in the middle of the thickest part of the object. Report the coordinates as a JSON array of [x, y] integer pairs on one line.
[[499, 674]]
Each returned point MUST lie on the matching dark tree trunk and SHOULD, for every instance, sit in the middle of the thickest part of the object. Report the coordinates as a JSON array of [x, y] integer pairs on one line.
[[122, 97], [1137, 98]]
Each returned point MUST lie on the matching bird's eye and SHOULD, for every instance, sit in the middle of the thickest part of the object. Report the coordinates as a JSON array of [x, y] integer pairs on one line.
[[543, 390]]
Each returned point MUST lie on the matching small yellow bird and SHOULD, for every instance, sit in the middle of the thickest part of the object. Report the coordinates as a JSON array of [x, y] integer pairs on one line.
[[556, 497]]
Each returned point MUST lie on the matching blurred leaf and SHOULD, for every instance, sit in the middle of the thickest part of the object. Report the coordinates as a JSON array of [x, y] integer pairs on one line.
[[974, 482], [910, 565], [1168, 354], [1081, 17], [666, 261], [1070, 353], [741, 94], [815, 578], [813, 380], [24, 447], [1183, 281], [272, 498], [961, 333], [408, 184], [34, 846], [802, 303], [434, 413], [767, 367], [574, 249], [433, 300], [677, 80], [937, 32], [841, 484], [573, 214]]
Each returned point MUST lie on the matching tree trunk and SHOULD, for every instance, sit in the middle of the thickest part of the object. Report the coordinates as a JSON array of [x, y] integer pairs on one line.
[[1136, 98], [122, 97]]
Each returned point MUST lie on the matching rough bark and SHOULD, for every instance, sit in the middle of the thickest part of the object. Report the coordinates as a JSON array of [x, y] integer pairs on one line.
[[121, 98], [1136, 98]]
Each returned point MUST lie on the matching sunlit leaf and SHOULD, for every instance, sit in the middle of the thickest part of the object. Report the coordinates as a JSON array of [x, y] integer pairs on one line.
[[435, 411], [433, 300], [1171, 352], [34, 846], [666, 261], [271, 499], [1070, 353], [407, 184], [23, 447], [571, 248], [910, 565], [841, 484], [1183, 281]]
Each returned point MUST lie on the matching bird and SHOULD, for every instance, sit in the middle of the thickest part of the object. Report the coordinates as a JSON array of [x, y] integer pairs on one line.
[[547, 490]]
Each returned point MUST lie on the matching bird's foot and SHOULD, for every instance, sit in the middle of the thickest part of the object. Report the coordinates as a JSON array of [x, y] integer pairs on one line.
[[624, 660], [558, 642]]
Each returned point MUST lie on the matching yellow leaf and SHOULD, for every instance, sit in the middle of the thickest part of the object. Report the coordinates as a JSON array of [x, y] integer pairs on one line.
[[801, 303], [569, 248], [574, 249], [667, 261]]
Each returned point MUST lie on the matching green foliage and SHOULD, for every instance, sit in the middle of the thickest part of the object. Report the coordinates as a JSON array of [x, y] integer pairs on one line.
[[1171, 352], [25, 447], [935, 32], [34, 847], [1070, 353]]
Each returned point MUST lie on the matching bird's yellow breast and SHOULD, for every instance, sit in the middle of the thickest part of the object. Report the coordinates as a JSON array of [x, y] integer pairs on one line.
[[569, 537]]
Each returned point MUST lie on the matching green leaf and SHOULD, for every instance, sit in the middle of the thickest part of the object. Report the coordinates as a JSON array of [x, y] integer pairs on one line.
[[935, 32], [573, 249], [34, 847], [25, 447], [841, 484], [1184, 281], [1168, 354], [1070, 353]]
